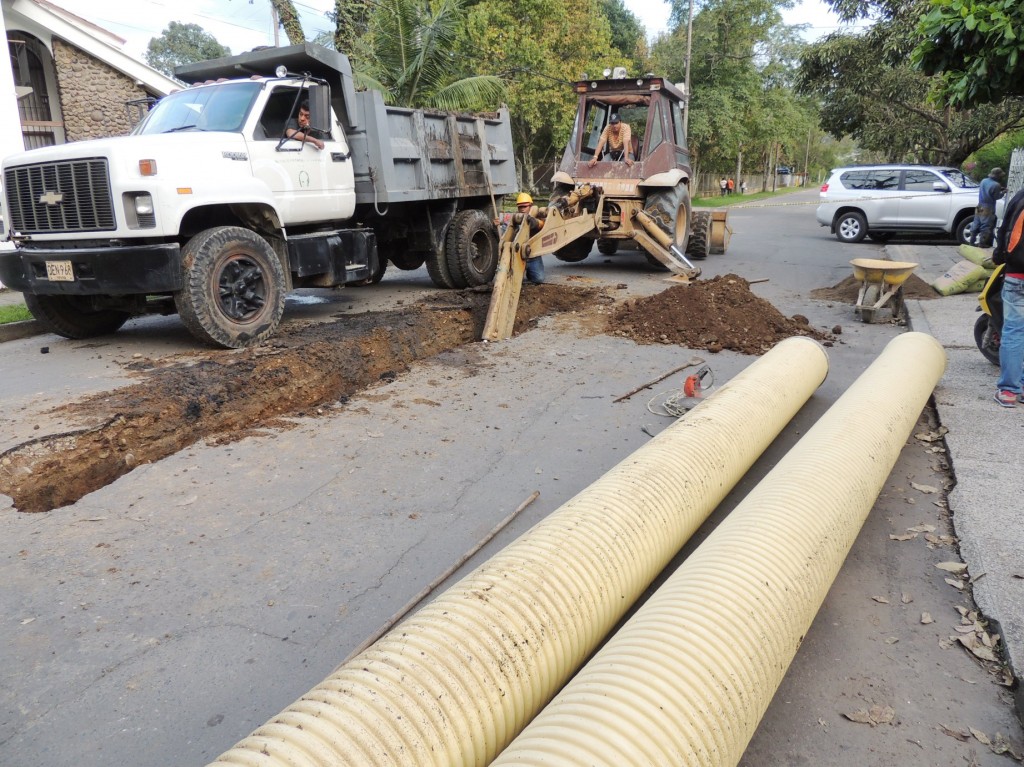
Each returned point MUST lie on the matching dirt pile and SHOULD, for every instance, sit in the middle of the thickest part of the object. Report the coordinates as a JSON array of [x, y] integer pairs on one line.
[[716, 314], [846, 292]]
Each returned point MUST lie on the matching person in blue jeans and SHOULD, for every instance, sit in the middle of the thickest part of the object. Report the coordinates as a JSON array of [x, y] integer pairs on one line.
[[991, 189], [1009, 250], [534, 266]]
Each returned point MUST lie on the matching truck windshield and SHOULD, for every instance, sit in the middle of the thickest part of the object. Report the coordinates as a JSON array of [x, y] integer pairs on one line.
[[215, 108]]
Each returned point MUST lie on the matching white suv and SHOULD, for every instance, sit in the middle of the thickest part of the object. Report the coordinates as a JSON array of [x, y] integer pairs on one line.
[[879, 201]]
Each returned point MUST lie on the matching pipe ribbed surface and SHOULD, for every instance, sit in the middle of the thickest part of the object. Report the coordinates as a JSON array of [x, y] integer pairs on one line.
[[688, 678], [456, 682]]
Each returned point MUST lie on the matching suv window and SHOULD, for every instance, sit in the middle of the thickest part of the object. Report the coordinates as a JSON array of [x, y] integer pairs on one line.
[[871, 179], [920, 181], [959, 178]]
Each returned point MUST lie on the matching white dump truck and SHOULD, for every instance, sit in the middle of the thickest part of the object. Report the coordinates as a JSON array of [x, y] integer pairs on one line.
[[210, 210]]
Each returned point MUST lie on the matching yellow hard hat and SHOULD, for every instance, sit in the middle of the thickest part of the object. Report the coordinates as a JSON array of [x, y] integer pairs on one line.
[[524, 198]]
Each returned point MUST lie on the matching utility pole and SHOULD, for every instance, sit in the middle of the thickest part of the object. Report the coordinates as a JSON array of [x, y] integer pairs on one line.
[[689, 47], [277, 25], [807, 155]]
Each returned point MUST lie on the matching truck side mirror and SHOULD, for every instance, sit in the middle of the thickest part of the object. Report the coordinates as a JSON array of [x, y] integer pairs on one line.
[[320, 107]]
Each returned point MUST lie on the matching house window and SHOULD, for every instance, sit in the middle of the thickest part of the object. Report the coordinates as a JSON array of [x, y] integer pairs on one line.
[[28, 65]]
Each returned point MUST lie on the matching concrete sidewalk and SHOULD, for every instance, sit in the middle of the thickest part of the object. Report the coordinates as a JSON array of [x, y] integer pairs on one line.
[[986, 450]]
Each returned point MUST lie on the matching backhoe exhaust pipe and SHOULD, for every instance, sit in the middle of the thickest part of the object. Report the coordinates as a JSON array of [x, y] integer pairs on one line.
[[457, 681]]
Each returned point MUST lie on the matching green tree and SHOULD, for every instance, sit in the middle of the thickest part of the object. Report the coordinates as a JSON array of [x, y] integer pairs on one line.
[[289, 20], [411, 57], [628, 35], [539, 49], [351, 18], [868, 90], [977, 47], [182, 44]]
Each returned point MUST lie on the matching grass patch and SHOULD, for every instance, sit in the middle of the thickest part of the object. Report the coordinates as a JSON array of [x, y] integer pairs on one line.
[[16, 313], [717, 201]]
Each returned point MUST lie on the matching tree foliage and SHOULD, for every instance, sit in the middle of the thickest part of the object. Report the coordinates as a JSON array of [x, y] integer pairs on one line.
[[411, 57], [182, 44], [976, 46], [869, 90], [539, 48], [289, 20]]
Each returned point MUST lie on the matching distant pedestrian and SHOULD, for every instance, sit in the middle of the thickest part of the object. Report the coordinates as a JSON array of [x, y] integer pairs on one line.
[[1009, 250], [991, 189], [743, 187], [724, 186], [730, 186]]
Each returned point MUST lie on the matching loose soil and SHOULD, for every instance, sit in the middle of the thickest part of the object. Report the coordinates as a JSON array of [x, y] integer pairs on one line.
[[847, 291], [221, 396], [716, 314]]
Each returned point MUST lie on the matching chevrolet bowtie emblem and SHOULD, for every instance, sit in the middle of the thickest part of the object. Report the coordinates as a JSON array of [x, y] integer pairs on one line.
[[51, 198]]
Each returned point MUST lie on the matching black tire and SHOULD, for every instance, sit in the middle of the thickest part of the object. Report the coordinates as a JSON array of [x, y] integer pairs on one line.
[[575, 251], [437, 268], [407, 260], [986, 339], [700, 235], [960, 233], [608, 247], [471, 248], [881, 237], [655, 263], [670, 208], [851, 226], [73, 316], [234, 288]]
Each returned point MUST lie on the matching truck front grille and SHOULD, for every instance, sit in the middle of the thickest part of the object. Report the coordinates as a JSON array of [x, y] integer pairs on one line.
[[65, 196]]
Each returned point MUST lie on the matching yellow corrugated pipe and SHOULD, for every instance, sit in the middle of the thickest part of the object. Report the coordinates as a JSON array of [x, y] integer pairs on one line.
[[456, 682], [688, 678]]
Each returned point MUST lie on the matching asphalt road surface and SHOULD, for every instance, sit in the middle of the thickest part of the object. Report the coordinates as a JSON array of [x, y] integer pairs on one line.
[[160, 619]]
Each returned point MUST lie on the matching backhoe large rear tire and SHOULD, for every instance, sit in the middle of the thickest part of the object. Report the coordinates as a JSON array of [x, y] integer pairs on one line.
[[234, 288], [471, 249], [670, 208], [73, 316]]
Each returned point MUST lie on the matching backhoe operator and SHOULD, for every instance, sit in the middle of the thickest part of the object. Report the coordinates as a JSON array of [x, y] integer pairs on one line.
[[618, 137]]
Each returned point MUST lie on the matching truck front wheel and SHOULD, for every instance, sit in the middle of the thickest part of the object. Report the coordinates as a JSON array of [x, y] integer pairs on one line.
[[234, 288], [73, 316], [471, 249]]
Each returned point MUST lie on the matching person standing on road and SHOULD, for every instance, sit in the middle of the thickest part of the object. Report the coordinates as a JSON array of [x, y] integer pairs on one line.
[[743, 187], [730, 186], [534, 266], [617, 136], [991, 189], [1009, 250], [724, 186]]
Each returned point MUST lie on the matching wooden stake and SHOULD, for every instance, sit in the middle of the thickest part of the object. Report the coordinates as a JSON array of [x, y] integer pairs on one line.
[[694, 361]]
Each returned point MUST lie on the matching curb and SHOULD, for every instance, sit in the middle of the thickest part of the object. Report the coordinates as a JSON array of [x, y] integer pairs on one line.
[[14, 331]]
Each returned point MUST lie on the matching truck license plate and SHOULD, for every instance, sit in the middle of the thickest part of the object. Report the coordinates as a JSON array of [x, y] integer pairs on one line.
[[59, 271]]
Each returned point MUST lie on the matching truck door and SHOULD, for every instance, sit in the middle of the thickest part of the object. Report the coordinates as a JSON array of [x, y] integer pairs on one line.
[[309, 184]]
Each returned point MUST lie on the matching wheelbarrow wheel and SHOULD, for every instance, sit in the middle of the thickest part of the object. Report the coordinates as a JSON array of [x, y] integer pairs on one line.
[[867, 309]]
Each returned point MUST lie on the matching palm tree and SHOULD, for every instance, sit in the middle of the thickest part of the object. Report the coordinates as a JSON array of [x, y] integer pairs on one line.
[[411, 58]]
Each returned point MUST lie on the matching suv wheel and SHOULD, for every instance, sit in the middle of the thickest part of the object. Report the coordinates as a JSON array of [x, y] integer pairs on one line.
[[961, 231], [851, 226]]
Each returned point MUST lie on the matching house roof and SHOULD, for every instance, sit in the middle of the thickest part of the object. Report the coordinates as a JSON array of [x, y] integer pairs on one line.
[[37, 16]]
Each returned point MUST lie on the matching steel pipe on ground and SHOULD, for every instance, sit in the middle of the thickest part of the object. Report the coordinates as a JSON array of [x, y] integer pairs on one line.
[[687, 679], [456, 682]]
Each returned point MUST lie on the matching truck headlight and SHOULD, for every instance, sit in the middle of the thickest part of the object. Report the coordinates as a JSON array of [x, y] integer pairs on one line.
[[139, 211]]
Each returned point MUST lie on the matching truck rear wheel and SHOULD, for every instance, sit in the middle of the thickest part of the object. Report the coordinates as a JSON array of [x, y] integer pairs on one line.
[[471, 249], [577, 250], [234, 287], [73, 316]]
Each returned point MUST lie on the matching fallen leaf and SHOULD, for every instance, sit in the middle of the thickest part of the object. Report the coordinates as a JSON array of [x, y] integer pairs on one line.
[[964, 629], [927, 618], [962, 610], [952, 567], [906, 598], [955, 584], [927, 489], [875, 716], [27, 621], [822, 722], [189, 501], [908, 537], [881, 600], [979, 651], [892, 640], [932, 436], [980, 736], [960, 735], [921, 529]]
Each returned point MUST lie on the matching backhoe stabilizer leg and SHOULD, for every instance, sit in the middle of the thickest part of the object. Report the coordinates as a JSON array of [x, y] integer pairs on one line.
[[656, 241]]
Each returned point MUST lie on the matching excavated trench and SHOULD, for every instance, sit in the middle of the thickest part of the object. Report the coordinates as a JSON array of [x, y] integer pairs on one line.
[[226, 395]]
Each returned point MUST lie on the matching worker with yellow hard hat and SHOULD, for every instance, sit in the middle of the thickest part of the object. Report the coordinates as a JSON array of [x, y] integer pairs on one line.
[[534, 266]]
